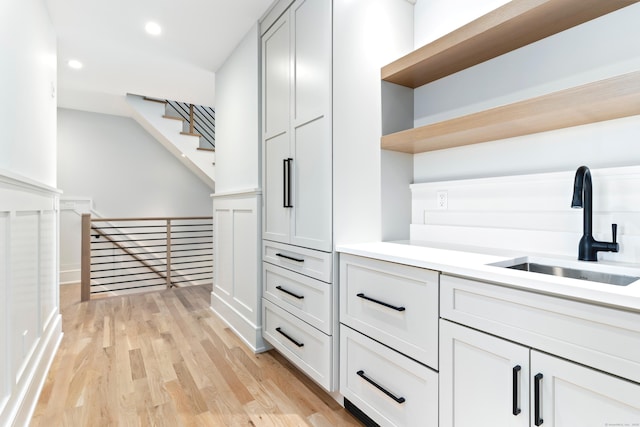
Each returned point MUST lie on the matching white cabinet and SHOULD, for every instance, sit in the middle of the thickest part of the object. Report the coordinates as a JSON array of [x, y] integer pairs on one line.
[[389, 340], [485, 379], [298, 296], [296, 126], [571, 395], [392, 389], [391, 303]]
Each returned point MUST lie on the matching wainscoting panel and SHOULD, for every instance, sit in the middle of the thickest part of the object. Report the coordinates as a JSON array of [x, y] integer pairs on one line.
[[29, 300], [530, 213], [237, 273]]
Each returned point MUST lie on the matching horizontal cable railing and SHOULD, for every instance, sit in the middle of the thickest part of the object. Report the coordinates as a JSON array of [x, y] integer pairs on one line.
[[122, 255], [201, 120]]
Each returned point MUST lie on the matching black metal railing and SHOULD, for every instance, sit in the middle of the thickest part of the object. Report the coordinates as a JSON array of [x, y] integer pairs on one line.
[[127, 254], [200, 119]]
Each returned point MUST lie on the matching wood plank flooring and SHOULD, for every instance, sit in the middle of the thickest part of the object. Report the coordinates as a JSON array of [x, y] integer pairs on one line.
[[165, 359]]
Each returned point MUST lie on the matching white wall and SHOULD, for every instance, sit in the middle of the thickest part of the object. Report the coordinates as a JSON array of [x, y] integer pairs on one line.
[[435, 18], [30, 323], [28, 88], [237, 117], [367, 35], [595, 50]]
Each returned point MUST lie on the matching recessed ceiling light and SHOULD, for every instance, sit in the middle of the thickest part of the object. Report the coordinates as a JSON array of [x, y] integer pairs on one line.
[[153, 28], [75, 64]]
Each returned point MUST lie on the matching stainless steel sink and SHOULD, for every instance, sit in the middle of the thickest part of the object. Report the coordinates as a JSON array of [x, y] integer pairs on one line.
[[590, 275], [598, 273]]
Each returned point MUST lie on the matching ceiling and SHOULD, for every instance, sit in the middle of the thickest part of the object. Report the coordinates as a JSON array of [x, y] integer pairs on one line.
[[119, 57]]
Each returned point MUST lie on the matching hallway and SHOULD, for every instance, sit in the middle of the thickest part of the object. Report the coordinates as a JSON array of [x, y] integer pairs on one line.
[[165, 359]]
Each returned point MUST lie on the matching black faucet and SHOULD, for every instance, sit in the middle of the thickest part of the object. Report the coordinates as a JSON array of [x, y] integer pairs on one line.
[[589, 247]]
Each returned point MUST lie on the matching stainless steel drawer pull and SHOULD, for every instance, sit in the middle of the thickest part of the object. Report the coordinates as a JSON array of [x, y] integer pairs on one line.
[[281, 289], [289, 257], [299, 344], [379, 387], [393, 307]]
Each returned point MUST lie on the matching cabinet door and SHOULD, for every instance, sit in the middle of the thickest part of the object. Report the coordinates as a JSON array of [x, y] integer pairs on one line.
[[483, 379], [570, 395], [276, 93], [311, 122]]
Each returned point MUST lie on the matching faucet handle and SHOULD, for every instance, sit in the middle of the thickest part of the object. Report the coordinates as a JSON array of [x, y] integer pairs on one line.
[[614, 231]]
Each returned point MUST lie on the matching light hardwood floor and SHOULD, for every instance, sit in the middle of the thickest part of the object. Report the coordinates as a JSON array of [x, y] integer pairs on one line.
[[165, 359]]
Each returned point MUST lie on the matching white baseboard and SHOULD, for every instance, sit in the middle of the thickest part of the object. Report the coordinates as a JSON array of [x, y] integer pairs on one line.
[[22, 403], [248, 332], [69, 276]]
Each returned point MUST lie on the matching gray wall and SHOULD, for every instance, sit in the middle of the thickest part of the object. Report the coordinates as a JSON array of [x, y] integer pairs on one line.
[[126, 172]]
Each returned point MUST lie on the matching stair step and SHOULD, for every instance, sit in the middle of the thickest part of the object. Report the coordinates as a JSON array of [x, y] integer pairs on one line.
[[161, 101], [173, 117], [206, 149], [191, 134]]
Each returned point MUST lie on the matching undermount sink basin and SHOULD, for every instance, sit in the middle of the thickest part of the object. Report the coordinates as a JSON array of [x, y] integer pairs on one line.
[[591, 275]]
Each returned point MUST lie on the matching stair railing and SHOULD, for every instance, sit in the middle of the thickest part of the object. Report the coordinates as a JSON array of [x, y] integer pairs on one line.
[[201, 120], [127, 254]]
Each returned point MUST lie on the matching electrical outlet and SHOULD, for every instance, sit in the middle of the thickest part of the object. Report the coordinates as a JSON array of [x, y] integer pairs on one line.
[[442, 200]]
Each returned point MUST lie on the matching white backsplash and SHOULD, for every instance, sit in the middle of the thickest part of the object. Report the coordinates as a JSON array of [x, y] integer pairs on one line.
[[530, 213]]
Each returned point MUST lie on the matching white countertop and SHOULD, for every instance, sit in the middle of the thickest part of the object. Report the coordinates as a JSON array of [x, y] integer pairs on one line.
[[475, 263]]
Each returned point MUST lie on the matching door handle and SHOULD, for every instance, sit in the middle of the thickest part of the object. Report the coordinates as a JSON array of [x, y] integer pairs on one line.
[[537, 396], [516, 387], [289, 161]]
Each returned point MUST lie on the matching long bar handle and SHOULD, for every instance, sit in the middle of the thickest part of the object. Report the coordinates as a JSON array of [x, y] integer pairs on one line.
[[285, 172], [290, 257], [379, 387], [287, 183], [393, 307], [288, 292], [299, 344], [516, 388], [537, 396]]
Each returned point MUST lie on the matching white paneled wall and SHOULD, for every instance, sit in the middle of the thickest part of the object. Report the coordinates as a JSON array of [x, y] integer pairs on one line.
[[530, 213], [29, 299], [237, 273]]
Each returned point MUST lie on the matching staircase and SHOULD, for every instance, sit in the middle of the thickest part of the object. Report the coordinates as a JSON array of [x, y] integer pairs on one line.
[[161, 122]]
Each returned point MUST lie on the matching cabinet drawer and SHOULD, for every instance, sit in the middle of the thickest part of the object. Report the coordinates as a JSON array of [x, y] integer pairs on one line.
[[309, 262], [392, 303], [597, 336], [390, 388], [306, 298], [305, 346]]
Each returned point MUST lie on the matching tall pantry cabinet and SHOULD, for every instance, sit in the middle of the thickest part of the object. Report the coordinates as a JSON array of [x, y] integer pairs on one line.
[[321, 172], [297, 183], [296, 126]]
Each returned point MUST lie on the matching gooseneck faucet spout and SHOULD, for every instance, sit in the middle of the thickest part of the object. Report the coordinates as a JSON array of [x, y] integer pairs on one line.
[[589, 247]]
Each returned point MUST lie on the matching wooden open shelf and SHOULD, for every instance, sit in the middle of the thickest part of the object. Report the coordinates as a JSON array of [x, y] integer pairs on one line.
[[516, 24], [607, 99]]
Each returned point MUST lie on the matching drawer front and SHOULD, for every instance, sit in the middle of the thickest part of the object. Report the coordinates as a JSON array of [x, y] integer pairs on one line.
[[596, 336], [392, 303], [305, 346], [306, 298], [315, 264], [390, 388]]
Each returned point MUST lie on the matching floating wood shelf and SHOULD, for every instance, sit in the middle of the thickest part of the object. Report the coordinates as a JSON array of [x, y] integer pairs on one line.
[[607, 99], [516, 24]]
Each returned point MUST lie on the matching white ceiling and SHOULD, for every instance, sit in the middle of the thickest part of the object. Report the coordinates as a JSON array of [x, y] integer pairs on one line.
[[119, 57]]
